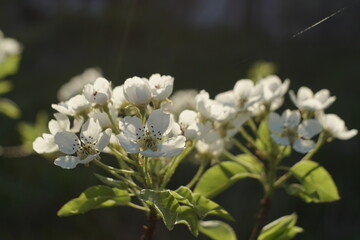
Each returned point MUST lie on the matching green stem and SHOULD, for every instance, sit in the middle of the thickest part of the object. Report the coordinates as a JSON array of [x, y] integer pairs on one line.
[[130, 204], [253, 126], [148, 178], [319, 144], [115, 128], [174, 164], [199, 173], [247, 136], [243, 148]]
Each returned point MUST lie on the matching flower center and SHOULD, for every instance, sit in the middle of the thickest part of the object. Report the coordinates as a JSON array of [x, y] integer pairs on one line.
[[149, 139]]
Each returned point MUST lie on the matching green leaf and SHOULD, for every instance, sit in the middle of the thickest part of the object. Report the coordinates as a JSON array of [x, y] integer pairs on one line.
[[281, 229], [165, 204], [9, 108], [318, 186], [219, 177], [217, 230], [250, 163], [5, 86], [202, 205], [111, 182], [187, 215], [10, 66], [95, 197]]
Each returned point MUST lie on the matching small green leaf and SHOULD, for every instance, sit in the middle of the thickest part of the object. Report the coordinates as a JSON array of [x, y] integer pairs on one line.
[[165, 204], [5, 86], [217, 230], [10, 65], [204, 206], [111, 182], [95, 197], [219, 177], [187, 215], [318, 186], [9, 108], [281, 229]]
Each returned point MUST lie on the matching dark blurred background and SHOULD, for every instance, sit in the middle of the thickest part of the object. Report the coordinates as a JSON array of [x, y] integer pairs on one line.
[[205, 44]]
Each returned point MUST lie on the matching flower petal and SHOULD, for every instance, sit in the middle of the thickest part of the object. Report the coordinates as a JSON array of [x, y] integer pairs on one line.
[[274, 123], [345, 135], [129, 145], [303, 146], [172, 146], [103, 140], [45, 144], [68, 142], [309, 128], [67, 162], [159, 123], [90, 131], [131, 127], [290, 119], [280, 140]]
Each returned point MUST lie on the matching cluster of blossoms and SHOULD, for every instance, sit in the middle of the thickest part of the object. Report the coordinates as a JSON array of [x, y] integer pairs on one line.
[[8, 47], [140, 117]]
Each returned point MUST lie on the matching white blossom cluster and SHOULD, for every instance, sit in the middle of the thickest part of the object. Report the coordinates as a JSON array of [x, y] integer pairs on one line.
[[8, 47], [140, 117]]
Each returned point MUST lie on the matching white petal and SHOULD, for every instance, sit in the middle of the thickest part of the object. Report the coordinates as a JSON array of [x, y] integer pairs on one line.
[[243, 89], [118, 96], [159, 123], [131, 127], [187, 117], [62, 107], [67, 162], [227, 98], [45, 144], [129, 145], [137, 91], [309, 128], [291, 119], [345, 135], [89, 158], [328, 102], [78, 103], [322, 95], [293, 98], [90, 131], [274, 122], [150, 153], [303, 146], [172, 146], [303, 94], [68, 142], [161, 86], [103, 140], [280, 140], [311, 104], [77, 123]]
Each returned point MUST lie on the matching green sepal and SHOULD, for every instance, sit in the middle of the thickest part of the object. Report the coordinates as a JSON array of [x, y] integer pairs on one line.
[[95, 197], [111, 182], [281, 229]]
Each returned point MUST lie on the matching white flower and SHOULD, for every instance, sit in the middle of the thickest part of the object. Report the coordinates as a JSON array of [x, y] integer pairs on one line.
[[74, 106], [76, 83], [212, 109], [118, 97], [258, 108], [46, 144], [335, 126], [99, 92], [230, 128], [137, 91], [183, 99], [246, 94], [273, 88], [306, 99], [287, 130], [211, 144], [190, 125], [8, 47], [161, 86], [103, 118], [92, 141], [151, 139]]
